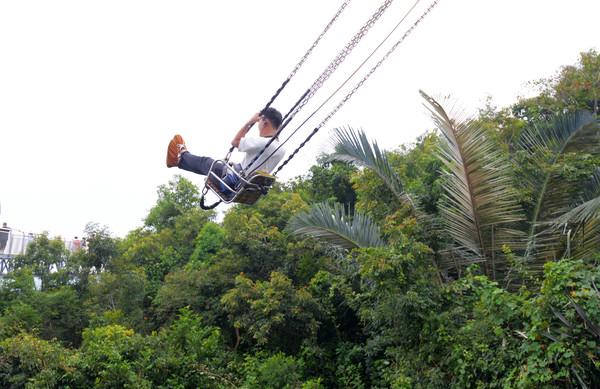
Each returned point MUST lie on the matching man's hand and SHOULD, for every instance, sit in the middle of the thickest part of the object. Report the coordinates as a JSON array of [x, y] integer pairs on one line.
[[240, 134]]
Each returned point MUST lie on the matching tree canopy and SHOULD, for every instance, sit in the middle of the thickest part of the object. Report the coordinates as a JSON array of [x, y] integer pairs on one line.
[[468, 259]]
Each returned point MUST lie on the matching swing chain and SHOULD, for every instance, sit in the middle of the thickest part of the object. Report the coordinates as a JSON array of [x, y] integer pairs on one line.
[[314, 131], [358, 85], [378, 64], [335, 63], [316, 42], [318, 83], [341, 56], [295, 70]]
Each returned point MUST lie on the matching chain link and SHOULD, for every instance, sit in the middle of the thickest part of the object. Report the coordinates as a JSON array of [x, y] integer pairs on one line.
[[378, 64], [296, 151], [359, 84], [294, 71], [308, 53], [341, 56], [333, 65], [316, 42]]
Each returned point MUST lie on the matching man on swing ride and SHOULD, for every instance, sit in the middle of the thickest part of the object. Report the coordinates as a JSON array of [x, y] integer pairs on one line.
[[268, 121]]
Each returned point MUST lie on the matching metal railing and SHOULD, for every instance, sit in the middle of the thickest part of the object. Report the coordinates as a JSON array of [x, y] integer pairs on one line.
[[15, 242]]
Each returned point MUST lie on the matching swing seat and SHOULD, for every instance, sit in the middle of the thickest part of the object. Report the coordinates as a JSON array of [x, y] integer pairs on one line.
[[257, 185], [246, 191]]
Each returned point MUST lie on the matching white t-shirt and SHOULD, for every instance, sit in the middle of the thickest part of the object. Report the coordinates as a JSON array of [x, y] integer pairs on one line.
[[252, 145]]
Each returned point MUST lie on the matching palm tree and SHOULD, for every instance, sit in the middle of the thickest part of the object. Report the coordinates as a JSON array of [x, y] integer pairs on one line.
[[478, 194], [582, 222], [480, 209], [545, 144], [331, 222], [479, 203], [354, 147]]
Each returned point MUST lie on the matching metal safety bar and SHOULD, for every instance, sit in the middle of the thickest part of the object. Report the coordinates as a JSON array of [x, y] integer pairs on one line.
[[241, 186]]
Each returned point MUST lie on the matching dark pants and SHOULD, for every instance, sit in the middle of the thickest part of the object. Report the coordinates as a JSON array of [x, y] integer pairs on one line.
[[200, 165]]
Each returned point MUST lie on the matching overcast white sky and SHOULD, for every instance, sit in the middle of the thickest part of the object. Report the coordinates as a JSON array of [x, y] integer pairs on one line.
[[92, 91]]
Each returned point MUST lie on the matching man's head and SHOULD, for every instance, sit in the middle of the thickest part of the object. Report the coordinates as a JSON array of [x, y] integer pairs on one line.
[[269, 122]]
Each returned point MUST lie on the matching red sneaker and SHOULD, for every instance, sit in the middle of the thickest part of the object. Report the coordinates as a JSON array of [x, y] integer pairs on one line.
[[174, 151]]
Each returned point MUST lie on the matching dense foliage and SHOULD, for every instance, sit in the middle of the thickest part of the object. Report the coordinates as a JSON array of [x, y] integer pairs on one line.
[[373, 270]]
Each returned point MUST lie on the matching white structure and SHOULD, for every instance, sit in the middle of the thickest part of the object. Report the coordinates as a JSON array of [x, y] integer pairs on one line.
[[15, 242]]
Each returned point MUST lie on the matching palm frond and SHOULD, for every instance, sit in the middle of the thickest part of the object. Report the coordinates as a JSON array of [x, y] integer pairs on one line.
[[593, 328], [581, 224], [333, 225], [582, 213], [355, 147], [588, 207], [562, 133], [580, 230], [586, 239], [479, 193], [545, 143]]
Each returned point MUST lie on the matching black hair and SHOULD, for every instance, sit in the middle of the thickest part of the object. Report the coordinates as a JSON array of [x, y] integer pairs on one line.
[[273, 115]]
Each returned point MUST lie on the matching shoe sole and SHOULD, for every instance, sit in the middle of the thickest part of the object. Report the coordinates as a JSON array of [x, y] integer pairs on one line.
[[173, 151]]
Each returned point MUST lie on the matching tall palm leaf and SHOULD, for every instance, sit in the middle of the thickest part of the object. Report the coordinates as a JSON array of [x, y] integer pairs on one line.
[[546, 143], [588, 205], [333, 225], [355, 147], [586, 240], [583, 220], [479, 200]]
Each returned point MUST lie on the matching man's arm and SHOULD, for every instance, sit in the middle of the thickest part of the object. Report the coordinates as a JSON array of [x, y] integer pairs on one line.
[[240, 134]]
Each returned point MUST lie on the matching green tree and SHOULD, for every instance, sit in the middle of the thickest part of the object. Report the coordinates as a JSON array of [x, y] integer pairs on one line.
[[273, 211], [583, 220], [258, 247], [101, 247], [19, 316], [44, 256], [118, 295], [110, 357], [27, 361], [63, 315], [174, 199], [159, 252], [99, 251], [271, 313], [333, 223], [574, 87], [199, 288], [481, 208], [209, 241], [188, 354], [18, 284], [578, 87], [274, 371], [327, 181]]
